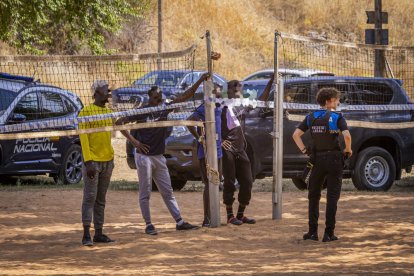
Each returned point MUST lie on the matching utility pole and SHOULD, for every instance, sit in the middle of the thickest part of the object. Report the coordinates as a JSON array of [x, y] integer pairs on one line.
[[277, 136], [211, 142], [159, 33], [378, 36]]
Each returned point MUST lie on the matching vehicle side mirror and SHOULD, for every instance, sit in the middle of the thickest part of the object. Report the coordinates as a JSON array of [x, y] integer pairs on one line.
[[17, 118]]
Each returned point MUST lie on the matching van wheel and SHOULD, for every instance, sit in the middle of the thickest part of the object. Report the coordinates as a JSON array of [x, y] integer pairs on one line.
[[71, 169], [374, 170], [301, 185]]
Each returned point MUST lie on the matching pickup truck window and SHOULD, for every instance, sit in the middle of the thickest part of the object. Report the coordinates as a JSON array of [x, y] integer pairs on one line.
[[374, 93], [298, 94], [347, 96]]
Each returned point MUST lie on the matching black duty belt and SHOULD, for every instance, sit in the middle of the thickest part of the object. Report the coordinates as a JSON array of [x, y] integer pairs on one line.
[[327, 152]]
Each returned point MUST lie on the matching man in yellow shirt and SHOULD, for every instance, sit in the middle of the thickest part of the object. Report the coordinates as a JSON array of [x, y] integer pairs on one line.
[[98, 163]]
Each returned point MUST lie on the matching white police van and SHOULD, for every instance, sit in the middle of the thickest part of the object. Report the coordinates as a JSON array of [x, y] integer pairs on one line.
[[27, 106]]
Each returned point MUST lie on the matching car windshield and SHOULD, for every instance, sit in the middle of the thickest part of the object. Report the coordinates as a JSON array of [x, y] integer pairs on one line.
[[6, 98], [161, 78], [253, 91]]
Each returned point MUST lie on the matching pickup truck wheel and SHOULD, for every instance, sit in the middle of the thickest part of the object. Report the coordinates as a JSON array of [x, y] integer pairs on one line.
[[301, 185], [374, 170], [176, 183], [71, 169], [7, 180]]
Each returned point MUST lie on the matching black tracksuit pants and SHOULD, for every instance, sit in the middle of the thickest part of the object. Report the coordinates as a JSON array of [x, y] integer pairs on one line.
[[329, 166], [237, 166]]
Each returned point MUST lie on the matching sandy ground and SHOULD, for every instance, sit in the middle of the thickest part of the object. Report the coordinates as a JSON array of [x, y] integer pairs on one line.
[[40, 233]]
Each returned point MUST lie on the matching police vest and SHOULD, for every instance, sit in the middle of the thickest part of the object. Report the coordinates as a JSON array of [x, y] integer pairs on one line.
[[323, 126]]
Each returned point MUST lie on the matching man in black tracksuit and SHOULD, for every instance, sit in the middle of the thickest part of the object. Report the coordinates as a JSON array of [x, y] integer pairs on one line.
[[325, 125], [236, 163]]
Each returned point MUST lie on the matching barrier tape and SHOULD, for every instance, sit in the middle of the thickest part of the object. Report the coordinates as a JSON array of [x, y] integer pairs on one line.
[[55, 123], [25, 135]]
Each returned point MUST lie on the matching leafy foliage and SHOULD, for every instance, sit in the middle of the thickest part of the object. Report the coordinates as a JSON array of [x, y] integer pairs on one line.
[[64, 26]]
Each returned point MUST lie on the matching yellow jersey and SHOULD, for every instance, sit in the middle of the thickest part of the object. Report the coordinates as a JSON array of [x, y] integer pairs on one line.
[[96, 146]]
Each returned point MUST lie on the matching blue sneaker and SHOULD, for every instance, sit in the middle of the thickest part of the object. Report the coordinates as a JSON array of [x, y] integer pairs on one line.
[[150, 230], [186, 226]]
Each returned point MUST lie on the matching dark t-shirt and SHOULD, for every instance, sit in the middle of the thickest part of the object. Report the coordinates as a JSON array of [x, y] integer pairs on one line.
[[229, 130], [200, 113], [153, 137], [324, 130]]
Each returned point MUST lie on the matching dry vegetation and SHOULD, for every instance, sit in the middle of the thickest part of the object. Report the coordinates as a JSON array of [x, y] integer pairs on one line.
[[242, 30]]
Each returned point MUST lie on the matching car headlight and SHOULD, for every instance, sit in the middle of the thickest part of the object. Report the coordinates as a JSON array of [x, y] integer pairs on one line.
[[179, 131]]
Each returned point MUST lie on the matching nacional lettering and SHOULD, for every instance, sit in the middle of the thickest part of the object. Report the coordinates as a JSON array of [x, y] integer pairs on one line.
[[33, 145]]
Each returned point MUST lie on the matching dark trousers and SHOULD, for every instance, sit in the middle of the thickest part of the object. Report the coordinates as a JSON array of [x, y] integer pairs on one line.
[[206, 193], [327, 166], [237, 166], [94, 193]]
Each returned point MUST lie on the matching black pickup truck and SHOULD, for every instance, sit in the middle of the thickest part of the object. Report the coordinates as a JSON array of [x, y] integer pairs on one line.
[[380, 153]]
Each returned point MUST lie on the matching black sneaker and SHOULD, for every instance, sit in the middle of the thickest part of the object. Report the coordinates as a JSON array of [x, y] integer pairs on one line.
[[87, 241], [206, 223], [102, 238], [150, 230], [247, 220], [234, 221], [186, 226], [311, 236], [329, 238]]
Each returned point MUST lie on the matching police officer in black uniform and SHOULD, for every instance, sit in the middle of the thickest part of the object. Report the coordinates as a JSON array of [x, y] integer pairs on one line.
[[325, 125]]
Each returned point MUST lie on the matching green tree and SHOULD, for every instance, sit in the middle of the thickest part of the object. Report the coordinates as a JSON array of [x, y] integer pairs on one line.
[[64, 26]]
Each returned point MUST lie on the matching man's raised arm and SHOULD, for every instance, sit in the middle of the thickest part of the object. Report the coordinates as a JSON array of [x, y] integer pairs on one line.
[[189, 93]]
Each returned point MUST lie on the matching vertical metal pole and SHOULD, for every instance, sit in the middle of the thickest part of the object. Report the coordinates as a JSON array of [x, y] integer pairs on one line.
[[159, 66], [379, 69], [277, 137], [211, 138]]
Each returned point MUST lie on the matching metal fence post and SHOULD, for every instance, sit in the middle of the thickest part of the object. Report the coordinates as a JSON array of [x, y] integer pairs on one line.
[[277, 137], [211, 137]]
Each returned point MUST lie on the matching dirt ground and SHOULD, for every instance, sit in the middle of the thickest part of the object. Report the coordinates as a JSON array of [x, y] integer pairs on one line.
[[40, 233]]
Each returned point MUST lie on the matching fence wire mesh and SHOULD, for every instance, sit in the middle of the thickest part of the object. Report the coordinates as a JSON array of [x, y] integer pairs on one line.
[[46, 93], [309, 64]]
